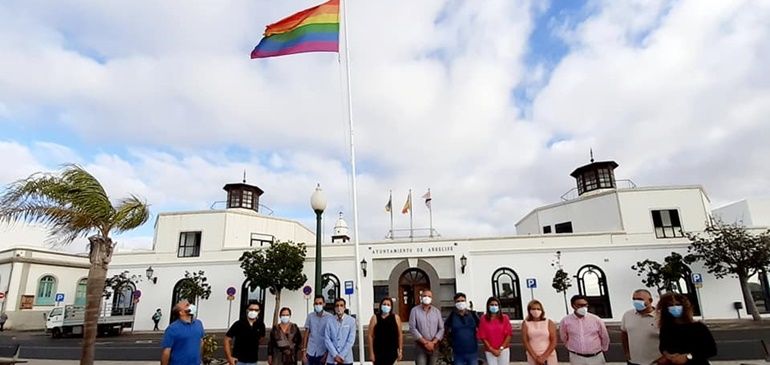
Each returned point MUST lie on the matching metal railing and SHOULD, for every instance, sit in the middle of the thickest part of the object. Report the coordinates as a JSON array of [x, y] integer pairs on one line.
[[619, 184], [263, 208], [395, 234]]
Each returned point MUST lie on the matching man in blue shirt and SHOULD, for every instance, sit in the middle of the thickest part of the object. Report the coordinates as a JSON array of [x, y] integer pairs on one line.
[[340, 335], [461, 327], [314, 346], [182, 342]]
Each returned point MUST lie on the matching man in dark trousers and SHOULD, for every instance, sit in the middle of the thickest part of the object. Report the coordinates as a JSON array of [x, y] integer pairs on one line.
[[156, 319], [247, 333]]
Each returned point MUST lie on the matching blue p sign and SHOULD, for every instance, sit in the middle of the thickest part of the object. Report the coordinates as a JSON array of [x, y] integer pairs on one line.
[[697, 278], [59, 297], [531, 283]]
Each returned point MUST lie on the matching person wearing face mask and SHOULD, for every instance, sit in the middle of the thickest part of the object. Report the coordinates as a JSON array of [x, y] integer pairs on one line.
[[682, 339], [538, 335], [584, 334], [247, 332], [285, 340], [183, 339], [427, 327], [313, 346], [495, 332], [339, 335], [461, 327], [385, 337], [639, 332]]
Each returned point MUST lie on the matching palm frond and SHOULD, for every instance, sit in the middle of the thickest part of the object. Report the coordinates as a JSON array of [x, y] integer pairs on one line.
[[131, 212], [71, 204]]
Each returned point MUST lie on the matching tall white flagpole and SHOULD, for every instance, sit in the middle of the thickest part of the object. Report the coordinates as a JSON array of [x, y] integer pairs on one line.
[[359, 301], [430, 212], [391, 214]]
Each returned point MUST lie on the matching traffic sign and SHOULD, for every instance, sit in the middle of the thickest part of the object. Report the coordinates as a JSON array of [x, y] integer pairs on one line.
[[59, 297], [531, 283], [137, 294], [2, 296], [230, 291], [697, 278], [231, 297], [307, 290], [348, 287]]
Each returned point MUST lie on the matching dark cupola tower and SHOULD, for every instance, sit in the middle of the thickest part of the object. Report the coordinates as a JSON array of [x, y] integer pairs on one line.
[[595, 176], [242, 195]]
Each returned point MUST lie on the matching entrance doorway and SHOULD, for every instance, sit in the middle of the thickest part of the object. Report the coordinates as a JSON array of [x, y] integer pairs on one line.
[[411, 284]]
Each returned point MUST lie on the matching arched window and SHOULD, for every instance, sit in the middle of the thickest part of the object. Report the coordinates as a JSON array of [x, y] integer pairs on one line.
[[249, 295], [46, 290], [176, 296], [505, 286], [330, 289], [81, 292], [592, 283], [123, 300]]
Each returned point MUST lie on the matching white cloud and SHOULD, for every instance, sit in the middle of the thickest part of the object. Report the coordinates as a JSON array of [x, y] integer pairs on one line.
[[157, 93]]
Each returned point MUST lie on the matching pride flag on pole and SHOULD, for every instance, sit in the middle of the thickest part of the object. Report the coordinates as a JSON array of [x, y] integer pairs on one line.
[[312, 30]]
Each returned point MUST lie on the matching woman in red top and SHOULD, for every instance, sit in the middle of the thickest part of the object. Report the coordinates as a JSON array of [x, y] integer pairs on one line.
[[495, 332]]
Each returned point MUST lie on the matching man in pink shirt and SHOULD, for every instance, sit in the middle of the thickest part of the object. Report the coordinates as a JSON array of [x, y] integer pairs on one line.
[[584, 334]]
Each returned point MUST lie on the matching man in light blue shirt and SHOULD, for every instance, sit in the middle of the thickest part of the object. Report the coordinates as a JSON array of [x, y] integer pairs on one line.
[[314, 345], [340, 335]]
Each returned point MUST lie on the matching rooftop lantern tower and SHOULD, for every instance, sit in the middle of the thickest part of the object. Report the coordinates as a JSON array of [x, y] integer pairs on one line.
[[243, 196], [595, 176], [341, 231]]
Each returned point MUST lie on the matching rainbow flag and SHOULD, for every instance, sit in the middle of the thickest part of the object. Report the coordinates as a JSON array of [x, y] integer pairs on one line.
[[312, 30]]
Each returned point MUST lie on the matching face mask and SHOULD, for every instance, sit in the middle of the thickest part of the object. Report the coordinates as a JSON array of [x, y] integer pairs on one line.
[[192, 309], [640, 305], [253, 314], [461, 306], [285, 319], [339, 310], [675, 311], [318, 308], [385, 308], [494, 309], [427, 300], [536, 313], [582, 311]]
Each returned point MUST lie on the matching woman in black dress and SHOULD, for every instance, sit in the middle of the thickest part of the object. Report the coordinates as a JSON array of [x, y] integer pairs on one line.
[[682, 340], [385, 337]]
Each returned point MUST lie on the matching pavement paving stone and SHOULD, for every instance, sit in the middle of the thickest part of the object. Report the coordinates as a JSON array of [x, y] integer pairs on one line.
[[75, 362]]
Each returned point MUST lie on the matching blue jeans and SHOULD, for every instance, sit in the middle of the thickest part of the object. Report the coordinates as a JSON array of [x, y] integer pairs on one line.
[[466, 359], [314, 360]]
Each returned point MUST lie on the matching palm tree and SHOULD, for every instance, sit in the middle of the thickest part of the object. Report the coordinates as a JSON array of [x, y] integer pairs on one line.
[[74, 204]]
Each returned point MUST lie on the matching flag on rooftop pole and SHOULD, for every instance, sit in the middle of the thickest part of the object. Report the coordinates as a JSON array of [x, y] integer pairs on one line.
[[408, 204], [316, 29], [389, 209], [428, 200]]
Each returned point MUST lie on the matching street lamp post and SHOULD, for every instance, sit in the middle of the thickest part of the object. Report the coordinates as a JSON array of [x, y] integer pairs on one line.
[[318, 203]]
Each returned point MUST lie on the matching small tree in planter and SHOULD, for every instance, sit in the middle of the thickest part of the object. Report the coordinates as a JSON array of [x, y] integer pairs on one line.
[[194, 287], [731, 250], [561, 280], [666, 276], [276, 267]]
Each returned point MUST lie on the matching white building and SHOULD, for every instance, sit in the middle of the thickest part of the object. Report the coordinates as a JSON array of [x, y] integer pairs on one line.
[[599, 234]]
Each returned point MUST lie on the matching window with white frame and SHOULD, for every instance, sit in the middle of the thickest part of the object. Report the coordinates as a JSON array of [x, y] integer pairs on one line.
[[189, 244], [666, 223]]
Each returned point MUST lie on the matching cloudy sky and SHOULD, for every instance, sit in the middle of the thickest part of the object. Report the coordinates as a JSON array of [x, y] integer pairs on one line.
[[491, 104]]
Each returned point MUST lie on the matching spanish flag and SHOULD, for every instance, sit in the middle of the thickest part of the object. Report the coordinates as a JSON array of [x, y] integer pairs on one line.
[[407, 205]]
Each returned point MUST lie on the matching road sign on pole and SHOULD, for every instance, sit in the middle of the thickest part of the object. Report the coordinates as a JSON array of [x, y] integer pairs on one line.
[[230, 291], [349, 287], [531, 285], [697, 279], [307, 290], [59, 297]]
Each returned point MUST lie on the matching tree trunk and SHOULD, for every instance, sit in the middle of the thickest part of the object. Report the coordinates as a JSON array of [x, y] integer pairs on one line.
[[100, 255], [277, 307], [566, 308], [751, 307]]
